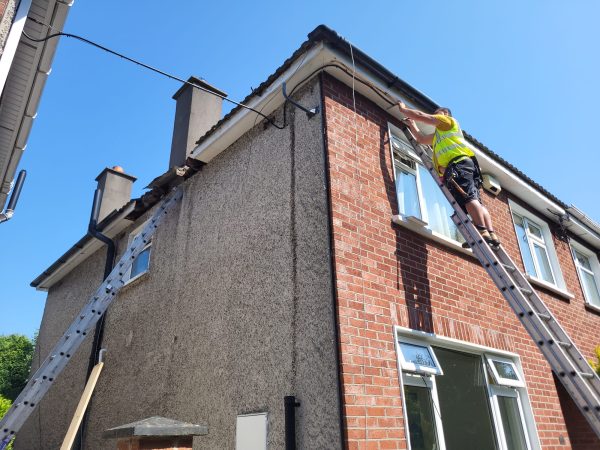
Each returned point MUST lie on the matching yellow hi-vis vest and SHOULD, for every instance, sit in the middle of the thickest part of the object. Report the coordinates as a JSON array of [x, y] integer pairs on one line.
[[448, 145]]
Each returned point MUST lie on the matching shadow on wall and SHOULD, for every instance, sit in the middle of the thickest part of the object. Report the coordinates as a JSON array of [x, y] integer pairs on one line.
[[411, 254]]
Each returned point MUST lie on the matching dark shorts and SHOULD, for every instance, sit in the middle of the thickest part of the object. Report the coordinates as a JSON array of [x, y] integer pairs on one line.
[[466, 176]]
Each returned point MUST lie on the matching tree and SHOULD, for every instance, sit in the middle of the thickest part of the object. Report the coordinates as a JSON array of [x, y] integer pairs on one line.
[[4, 406], [596, 364], [16, 353]]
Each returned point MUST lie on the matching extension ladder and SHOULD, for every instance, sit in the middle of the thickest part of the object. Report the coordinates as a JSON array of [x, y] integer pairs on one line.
[[41, 381], [567, 362]]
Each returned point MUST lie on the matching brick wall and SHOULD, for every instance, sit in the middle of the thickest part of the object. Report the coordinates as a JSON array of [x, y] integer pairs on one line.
[[387, 275]]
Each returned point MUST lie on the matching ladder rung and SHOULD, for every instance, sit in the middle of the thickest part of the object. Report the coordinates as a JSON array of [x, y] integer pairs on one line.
[[564, 344], [546, 317], [587, 375], [526, 291], [509, 268]]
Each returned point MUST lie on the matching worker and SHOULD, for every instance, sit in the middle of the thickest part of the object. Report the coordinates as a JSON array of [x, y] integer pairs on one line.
[[455, 163]]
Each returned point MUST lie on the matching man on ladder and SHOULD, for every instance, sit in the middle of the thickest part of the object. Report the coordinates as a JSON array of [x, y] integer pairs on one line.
[[455, 163]]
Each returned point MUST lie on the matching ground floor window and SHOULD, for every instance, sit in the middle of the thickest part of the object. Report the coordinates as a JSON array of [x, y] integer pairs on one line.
[[460, 398]]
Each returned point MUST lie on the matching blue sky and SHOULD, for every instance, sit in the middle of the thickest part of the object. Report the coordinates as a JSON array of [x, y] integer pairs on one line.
[[520, 76]]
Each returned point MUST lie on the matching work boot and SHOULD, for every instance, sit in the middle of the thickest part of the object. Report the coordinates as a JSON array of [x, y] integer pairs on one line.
[[485, 234], [495, 239]]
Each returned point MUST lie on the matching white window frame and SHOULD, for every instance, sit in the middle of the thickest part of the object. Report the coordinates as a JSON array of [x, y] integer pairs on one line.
[[547, 243], [421, 224], [501, 381], [429, 339], [496, 391], [132, 236], [429, 383], [416, 368], [593, 259]]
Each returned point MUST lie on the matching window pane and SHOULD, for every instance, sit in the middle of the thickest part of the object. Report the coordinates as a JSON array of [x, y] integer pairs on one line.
[[438, 208], [421, 421], [464, 405], [590, 287], [140, 264], [505, 370], [511, 422], [543, 263], [524, 246], [535, 230], [417, 354], [406, 189], [583, 260]]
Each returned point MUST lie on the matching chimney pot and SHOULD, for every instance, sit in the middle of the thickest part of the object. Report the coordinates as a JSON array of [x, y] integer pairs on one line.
[[196, 113], [115, 185]]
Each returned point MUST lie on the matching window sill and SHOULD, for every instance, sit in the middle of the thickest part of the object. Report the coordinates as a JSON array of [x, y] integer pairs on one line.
[[592, 308], [550, 287], [134, 280], [419, 227]]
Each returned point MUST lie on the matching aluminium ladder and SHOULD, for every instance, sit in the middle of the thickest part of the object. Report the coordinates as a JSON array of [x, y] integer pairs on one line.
[[565, 359], [41, 381]]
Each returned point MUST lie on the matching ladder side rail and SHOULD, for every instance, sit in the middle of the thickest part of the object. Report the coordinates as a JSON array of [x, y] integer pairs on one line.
[[584, 394], [41, 381], [539, 307]]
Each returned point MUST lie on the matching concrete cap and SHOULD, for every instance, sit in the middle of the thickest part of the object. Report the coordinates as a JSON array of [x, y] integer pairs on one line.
[[120, 173], [156, 427], [199, 82]]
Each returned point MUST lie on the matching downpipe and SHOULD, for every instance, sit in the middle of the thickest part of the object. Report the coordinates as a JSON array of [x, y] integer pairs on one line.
[[290, 405], [7, 214]]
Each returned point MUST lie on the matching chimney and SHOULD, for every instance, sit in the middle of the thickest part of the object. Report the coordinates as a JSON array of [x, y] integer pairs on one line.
[[115, 185], [196, 112]]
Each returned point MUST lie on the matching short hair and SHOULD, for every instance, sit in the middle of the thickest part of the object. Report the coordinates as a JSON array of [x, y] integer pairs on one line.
[[443, 108]]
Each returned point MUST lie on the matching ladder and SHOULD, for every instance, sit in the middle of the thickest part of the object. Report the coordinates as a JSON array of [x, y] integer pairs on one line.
[[41, 381], [567, 362]]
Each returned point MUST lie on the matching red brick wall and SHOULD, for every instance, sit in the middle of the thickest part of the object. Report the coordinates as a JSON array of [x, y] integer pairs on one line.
[[387, 276]]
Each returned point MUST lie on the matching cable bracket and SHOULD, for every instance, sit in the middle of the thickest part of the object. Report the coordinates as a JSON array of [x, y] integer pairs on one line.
[[309, 112]]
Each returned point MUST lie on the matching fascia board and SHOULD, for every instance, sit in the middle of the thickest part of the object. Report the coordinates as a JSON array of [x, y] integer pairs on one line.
[[520, 188], [244, 119], [14, 36], [93, 245], [320, 55]]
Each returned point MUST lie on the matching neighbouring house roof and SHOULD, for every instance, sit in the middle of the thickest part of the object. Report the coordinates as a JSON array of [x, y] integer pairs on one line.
[[327, 47], [24, 68]]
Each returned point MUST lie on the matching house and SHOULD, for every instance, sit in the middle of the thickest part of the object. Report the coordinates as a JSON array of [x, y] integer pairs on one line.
[[24, 68], [312, 268]]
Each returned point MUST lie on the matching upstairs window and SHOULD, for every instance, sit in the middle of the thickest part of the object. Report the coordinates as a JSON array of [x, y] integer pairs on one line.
[[588, 270], [419, 196], [537, 250], [141, 264]]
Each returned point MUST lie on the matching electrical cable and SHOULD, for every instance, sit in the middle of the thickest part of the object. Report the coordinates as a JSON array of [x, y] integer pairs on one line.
[[146, 66]]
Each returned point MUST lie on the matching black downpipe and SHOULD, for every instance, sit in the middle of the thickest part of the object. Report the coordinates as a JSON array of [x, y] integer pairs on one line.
[[290, 404], [99, 331], [12, 203], [334, 293]]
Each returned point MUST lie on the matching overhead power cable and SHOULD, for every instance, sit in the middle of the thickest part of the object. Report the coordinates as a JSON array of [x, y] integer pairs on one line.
[[146, 66]]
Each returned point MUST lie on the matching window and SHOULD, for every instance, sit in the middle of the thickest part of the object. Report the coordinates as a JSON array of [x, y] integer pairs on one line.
[[141, 264], [535, 244], [588, 270], [418, 194], [458, 399]]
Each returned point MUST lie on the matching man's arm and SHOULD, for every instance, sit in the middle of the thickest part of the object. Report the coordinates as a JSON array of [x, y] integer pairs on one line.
[[420, 137], [418, 115]]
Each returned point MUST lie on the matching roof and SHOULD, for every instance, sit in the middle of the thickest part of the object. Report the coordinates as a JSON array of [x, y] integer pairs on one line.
[[324, 35], [24, 68]]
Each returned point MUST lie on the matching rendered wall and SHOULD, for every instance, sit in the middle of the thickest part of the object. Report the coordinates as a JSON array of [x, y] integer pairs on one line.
[[236, 311], [387, 275]]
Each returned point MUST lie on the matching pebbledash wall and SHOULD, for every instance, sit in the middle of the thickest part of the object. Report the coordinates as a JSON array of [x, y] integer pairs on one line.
[[235, 313], [387, 276]]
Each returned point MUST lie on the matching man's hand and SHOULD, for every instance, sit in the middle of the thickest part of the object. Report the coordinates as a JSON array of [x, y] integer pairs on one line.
[[401, 105]]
